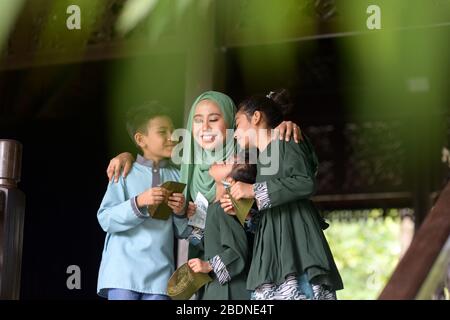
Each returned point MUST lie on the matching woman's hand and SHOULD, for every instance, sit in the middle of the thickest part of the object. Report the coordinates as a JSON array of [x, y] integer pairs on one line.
[[286, 129], [199, 266], [190, 211], [176, 202], [122, 161], [241, 190]]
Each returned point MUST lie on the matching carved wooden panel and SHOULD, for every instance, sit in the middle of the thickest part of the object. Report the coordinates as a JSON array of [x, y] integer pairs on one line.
[[376, 156], [371, 157], [41, 36], [248, 20], [322, 138]]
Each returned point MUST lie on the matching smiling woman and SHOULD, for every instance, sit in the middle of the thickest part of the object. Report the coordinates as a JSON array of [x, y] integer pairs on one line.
[[206, 142], [209, 126], [211, 114]]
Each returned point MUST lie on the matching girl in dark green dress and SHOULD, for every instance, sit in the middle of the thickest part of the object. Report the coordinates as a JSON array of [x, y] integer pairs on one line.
[[291, 257], [225, 241]]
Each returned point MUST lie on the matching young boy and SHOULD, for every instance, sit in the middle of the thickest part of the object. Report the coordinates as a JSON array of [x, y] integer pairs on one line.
[[225, 243], [138, 255]]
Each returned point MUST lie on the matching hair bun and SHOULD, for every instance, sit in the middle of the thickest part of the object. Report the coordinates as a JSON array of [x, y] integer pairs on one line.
[[282, 98]]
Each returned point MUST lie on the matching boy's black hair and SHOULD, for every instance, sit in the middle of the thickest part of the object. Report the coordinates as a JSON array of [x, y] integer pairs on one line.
[[274, 106], [243, 171], [138, 117]]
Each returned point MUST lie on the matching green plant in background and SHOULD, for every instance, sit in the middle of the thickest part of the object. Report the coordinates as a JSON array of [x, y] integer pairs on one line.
[[9, 10], [366, 253]]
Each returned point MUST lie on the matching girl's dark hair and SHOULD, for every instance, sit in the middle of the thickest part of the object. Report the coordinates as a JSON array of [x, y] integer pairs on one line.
[[243, 170], [274, 106]]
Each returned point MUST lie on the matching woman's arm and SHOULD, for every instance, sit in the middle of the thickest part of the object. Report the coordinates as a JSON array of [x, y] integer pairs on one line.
[[286, 129], [122, 161], [181, 227]]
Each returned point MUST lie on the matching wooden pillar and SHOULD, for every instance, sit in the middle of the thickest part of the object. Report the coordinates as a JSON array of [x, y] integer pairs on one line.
[[427, 139], [200, 61], [406, 229], [201, 51], [12, 212]]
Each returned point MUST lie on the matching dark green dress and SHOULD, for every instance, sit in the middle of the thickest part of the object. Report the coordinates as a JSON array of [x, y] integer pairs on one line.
[[289, 238], [225, 236]]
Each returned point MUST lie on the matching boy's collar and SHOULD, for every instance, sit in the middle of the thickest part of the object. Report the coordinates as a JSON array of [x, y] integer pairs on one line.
[[149, 163]]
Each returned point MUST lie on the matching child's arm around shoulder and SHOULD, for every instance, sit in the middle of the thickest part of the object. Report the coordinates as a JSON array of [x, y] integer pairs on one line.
[[118, 212], [295, 182]]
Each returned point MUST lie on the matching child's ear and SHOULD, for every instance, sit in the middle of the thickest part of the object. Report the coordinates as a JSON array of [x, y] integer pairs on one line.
[[229, 180], [138, 138], [256, 118]]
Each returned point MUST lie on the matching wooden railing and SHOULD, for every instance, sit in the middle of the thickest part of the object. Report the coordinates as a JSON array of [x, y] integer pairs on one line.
[[426, 263], [437, 283]]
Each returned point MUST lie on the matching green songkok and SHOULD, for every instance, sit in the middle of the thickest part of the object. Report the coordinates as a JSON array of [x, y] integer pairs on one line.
[[197, 161]]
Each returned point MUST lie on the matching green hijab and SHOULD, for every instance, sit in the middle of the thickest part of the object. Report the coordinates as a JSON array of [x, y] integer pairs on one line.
[[197, 161]]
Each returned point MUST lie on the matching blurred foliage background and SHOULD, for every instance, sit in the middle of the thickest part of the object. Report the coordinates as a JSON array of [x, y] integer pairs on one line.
[[366, 252], [130, 51]]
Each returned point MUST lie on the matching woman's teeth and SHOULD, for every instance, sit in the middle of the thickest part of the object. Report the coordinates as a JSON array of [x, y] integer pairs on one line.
[[208, 137]]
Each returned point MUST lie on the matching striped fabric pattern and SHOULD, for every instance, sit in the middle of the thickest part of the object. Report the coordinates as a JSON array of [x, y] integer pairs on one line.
[[219, 269], [136, 210], [261, 195], [291, 289], [322, 293]]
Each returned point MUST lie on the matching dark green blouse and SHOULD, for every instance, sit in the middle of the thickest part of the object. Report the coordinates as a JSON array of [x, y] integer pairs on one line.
[[289, 238], [225, 236]]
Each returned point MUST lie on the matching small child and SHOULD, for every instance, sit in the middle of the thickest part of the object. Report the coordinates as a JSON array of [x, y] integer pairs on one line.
[[225, 241], [291, 257], [138, 255]]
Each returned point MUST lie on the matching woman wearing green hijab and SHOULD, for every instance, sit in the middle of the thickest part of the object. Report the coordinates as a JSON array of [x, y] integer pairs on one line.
[[215, 111], [207, 142]]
